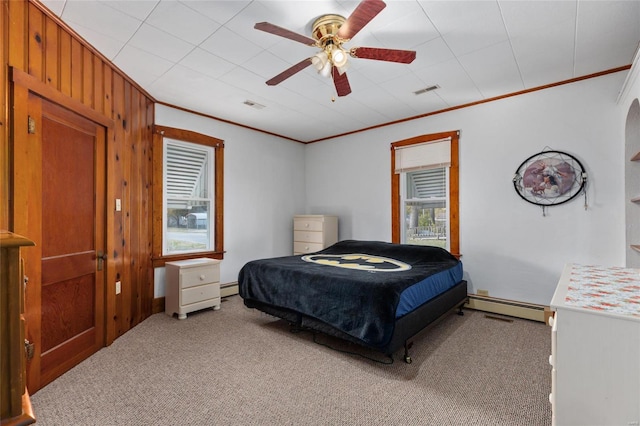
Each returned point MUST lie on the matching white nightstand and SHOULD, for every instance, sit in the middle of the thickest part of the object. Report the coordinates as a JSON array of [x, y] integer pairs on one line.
[[192, 285]]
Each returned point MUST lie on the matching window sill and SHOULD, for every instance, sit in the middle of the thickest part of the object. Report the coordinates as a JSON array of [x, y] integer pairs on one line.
[[159, 261]]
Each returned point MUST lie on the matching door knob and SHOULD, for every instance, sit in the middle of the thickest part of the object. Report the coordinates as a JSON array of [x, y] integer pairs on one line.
[[101, 257]]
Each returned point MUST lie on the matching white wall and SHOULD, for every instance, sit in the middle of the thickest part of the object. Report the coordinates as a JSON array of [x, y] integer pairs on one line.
[[508, 247], [263, 189]]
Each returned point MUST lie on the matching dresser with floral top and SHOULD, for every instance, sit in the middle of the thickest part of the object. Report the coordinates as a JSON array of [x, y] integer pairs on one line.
[[595, 346]]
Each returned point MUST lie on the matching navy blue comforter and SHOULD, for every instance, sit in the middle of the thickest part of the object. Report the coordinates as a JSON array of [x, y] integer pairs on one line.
[[353, 286]]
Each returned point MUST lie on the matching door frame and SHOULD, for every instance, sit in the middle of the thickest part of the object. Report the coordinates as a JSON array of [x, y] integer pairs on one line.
[[20, 212]]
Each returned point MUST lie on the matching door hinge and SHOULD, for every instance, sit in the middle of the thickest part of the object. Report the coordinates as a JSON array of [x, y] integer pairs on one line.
[[31, 127], [29, 349]]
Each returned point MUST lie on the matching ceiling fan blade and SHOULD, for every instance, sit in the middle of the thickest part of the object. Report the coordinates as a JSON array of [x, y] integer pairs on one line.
[[341, 82], [289, 72], [283, 32], [364, 12], [379, 54]]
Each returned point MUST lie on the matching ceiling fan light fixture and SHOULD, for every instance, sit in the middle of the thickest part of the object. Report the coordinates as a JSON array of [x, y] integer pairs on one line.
[[338, 56], [325, 71], [343, 68], [319, 60]]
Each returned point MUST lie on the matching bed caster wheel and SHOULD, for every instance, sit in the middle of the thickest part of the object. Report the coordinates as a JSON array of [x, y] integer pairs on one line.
[[407, 359]]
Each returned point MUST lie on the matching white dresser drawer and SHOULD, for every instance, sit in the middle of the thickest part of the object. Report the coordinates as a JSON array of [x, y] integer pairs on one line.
[[200, 293], [199, 276], [304, 248], [307, 236], [307, 225]]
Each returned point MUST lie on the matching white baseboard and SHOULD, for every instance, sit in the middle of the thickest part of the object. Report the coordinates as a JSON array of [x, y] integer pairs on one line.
[[506, 307]]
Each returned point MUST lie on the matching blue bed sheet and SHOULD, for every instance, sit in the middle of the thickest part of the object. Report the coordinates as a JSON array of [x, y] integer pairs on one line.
[[425, 290]]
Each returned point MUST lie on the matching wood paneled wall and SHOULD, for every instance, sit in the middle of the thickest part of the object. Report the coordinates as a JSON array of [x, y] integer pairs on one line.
[[37, 43]]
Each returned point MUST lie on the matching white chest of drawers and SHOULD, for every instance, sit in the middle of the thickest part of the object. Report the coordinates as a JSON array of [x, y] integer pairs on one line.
[[595, 347], [192, 285], [312, 233]]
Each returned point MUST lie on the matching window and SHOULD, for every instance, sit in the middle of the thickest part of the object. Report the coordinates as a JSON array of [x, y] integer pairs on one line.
[[424, 205], [187, 195], [425, 191]]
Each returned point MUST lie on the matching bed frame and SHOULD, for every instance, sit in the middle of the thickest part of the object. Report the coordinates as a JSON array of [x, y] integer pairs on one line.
[[406, 327]]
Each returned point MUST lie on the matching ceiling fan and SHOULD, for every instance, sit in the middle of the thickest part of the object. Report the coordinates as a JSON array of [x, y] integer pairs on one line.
[[329, 33]]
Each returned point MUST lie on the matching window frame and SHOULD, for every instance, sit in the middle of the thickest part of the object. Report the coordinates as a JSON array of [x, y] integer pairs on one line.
[[209, 197], [159, 133], [454, 181]]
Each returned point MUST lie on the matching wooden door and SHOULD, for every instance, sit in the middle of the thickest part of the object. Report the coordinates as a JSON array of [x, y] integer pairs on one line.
[[72, 173]]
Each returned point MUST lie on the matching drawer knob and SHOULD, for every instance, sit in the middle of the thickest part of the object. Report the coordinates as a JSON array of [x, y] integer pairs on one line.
[[202, 277], [551, 360], [306, 225]]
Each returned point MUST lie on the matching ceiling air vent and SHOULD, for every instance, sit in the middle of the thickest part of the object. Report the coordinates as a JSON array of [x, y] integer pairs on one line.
[[253, 104], [426, 89]]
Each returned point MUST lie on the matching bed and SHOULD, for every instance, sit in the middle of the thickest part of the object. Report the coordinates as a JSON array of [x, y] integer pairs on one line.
[[375, 294]]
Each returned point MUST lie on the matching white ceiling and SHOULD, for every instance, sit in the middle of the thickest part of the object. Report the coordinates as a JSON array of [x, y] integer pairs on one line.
[[206, 56]]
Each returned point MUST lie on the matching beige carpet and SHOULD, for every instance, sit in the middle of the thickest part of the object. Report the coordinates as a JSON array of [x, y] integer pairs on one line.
[[240, 367]]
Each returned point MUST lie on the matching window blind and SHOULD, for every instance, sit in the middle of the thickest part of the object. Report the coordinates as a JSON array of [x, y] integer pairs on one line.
[[429, 183], [186, 167], [422, 156]]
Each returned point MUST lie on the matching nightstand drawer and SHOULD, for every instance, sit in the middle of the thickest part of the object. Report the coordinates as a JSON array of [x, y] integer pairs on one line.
[[200, 293], [307, 236], [199, 276]]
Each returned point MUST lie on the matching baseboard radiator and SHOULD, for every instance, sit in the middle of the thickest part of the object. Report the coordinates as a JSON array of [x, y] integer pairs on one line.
[[229, 289], [510, 308], [493, 305]]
